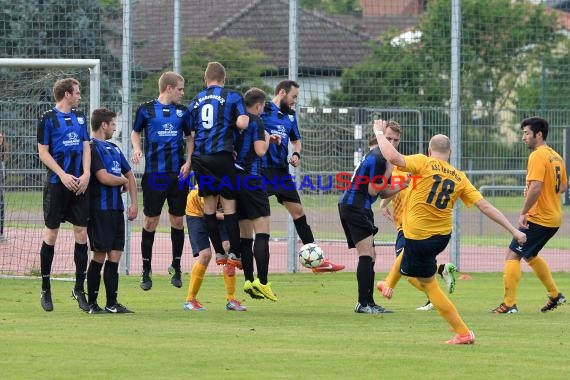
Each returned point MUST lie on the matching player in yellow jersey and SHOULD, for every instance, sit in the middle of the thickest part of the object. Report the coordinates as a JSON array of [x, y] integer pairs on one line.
[[200, 243], [445, 271], [427, 220], [540, 217]]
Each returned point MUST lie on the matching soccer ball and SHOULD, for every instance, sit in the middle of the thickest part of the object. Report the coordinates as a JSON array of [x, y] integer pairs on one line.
[[311, 255]]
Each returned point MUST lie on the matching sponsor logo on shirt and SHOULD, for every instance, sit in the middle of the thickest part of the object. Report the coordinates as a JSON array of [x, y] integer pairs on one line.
[[72, 139], [116, 167], [168, 130]]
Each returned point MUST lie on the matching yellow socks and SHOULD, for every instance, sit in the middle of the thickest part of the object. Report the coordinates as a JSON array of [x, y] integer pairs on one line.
[[445, 307], [541, 270], [230, 281], [394, 274], [196, 278], [511, 279]]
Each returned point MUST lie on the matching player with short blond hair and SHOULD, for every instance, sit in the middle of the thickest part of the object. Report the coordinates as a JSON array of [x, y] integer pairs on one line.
[[167, 137]]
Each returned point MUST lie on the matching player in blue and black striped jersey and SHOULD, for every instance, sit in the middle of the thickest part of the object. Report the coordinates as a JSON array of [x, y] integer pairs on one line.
[[370, 179], [63, 147], [164, 122], [111, 174], [215, 114], [279, 118], [252, 198]]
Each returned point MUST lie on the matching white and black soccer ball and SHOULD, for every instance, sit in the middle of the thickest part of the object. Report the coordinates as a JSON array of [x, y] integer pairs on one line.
[[311, 255]]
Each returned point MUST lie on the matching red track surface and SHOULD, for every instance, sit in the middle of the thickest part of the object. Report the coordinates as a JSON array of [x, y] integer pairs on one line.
[[20, 255]]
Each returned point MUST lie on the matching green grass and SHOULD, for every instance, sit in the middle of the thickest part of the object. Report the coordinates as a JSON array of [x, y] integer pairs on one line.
[[31, 200], [310, 333]]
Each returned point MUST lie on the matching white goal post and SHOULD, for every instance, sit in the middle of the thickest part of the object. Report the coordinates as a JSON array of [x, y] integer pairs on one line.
[[26, 95], [94, 66]]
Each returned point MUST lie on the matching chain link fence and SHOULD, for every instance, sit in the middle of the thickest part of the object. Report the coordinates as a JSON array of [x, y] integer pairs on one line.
[[354, 61]]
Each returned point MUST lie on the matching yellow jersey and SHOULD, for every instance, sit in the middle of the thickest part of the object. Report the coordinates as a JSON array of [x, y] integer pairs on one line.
[[546, 166], [194, 204], [435, 187], [398, 201]]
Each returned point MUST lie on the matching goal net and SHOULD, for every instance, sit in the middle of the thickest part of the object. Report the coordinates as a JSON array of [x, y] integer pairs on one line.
[[26, 94]]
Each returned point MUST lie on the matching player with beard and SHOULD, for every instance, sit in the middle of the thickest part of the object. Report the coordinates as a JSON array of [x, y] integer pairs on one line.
[[279, 119], [540, 217]]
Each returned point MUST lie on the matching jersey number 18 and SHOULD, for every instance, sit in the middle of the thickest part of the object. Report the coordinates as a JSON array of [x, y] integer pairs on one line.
[[443, 195]]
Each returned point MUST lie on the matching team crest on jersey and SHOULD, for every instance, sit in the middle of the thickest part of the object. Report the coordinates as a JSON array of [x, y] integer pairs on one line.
[[81, 120], [291, 118], [179, 113]]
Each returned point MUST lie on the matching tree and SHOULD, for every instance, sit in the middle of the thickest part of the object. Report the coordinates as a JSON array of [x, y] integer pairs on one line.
[[500, 40], [49, 29], [502, 43], [548, 83], [243, 64], [391, 76], [61, 29]]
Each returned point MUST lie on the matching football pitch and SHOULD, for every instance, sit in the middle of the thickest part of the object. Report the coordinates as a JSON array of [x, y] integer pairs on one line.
[[312, 332]]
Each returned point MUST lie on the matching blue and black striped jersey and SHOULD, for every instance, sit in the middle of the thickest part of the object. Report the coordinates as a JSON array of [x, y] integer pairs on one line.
[[213, 115], [372, 165], [165, 127], [64, 133], [108, 156], [285, 125], [247, 159]]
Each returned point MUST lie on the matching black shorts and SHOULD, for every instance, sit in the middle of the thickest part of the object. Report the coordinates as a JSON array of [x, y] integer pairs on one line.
[[357, 223], [400, 242], [279, 182], [215, 175], [160, 187], [536, 237], [252, 199], [419, 255], [106, 231], [62, 205]]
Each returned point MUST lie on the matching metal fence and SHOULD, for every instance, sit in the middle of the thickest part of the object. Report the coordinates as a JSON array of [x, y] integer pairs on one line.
[[391, 58]]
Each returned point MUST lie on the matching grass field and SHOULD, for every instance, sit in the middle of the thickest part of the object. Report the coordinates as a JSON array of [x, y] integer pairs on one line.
[[31, 200], [310, 333]]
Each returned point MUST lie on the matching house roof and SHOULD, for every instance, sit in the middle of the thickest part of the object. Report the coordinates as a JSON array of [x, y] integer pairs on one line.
[[325, 44], [152, 26], [375, 26]]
